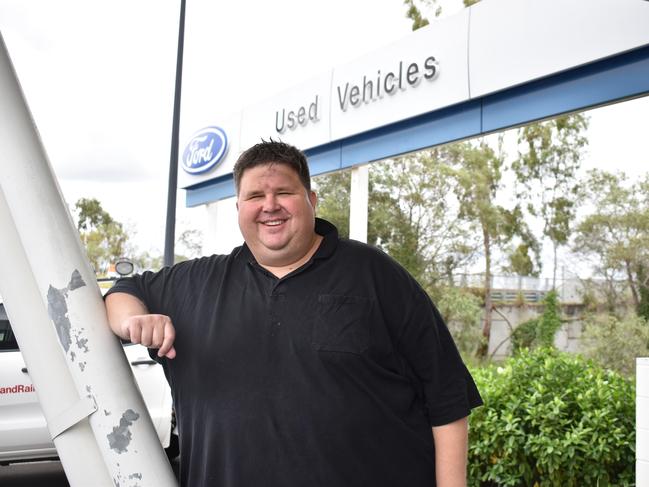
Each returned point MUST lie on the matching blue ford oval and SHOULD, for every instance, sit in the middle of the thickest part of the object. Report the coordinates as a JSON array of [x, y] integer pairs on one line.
[[204, 150]]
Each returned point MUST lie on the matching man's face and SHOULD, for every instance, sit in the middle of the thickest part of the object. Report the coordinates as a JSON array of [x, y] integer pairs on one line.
[[276, 214]]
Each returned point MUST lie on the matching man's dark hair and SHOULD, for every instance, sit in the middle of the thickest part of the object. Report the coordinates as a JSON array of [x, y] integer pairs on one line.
[[272, 152]]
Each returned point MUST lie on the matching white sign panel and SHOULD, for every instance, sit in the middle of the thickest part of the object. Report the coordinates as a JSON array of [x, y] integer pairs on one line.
[[515, 41], [299, 116], [486, 48], [423, 72]]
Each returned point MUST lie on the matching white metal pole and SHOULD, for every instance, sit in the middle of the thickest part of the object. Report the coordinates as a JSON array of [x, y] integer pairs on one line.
[[358, 203], [43, 357], [642, 421], [67, 287]]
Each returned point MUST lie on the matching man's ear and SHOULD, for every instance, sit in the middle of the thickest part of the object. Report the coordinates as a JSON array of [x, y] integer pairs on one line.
[[313, 198]]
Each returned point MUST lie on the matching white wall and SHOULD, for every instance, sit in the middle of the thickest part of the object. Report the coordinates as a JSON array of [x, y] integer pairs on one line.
[[642, 421], [222, 232]]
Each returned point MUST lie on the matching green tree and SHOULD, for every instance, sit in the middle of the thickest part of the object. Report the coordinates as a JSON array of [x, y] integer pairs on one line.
[[643, 290], [462, 312], [476, 170], [414, 10], [614, 235], [615, 343], [520, 261], [190, 241], [102, 236], [414, 220], [546, 169], [414, 13], [410, 216], [333, 192]]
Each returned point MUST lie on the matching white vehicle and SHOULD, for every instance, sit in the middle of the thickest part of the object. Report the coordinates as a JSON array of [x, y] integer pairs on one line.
[[23, 431]]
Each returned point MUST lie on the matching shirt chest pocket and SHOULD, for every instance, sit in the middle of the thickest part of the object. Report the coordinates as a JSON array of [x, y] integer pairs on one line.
[[342, 324]]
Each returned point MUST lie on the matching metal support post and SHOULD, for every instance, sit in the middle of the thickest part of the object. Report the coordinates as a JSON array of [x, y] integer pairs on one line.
[[42, 353], [109, 399], [642, 421], [358, 203]]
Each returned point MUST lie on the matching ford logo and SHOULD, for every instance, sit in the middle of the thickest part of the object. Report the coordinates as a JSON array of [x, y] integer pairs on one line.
[[204, 150]]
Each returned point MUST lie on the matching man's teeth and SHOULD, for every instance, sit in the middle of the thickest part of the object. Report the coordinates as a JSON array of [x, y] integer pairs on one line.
[[274, 223]]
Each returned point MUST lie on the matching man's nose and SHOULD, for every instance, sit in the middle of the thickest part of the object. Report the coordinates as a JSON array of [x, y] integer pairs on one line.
[[271, 202]]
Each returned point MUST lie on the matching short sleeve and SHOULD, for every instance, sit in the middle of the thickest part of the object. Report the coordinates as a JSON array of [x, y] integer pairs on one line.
[[168, 290], [152, 288], [427, 345]]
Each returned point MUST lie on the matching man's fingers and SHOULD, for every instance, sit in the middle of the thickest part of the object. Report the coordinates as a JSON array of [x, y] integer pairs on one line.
[[133, 330], [146, 336], [158, 335], [153, 331], [167, 349], [170, 354]]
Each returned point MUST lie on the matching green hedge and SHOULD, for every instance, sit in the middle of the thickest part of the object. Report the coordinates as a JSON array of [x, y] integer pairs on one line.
[[552, 419]]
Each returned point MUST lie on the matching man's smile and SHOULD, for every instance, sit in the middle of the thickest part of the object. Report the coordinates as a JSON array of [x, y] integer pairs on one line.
[[273, 223]]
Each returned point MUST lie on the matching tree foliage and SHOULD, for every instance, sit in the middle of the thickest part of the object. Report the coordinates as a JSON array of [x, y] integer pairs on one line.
[[409, 215], [190, 241], [414, 13], [415, 221], [462, 312], [106, 240], [521, 261], [539, 332], [550, 155], [615, 342], [614, 234], [103, 237], [476, 170], [333, 192]]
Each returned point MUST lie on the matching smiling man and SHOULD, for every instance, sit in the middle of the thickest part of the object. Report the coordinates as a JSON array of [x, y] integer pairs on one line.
[[276, 216], [301, 359]]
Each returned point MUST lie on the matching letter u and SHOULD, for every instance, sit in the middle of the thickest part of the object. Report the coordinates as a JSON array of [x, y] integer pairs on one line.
[[277, 126]]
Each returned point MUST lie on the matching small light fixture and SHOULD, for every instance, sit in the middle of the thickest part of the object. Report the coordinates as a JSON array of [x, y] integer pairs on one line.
[[124, 267]]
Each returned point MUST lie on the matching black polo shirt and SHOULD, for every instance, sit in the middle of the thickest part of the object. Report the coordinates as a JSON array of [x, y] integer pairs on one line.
[[329, 377]]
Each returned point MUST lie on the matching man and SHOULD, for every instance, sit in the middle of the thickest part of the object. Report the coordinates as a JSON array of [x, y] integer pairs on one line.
[[301, 359]]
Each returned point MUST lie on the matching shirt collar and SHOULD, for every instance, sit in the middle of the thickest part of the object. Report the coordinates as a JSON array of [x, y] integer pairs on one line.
[[329, 242], [322, 227]]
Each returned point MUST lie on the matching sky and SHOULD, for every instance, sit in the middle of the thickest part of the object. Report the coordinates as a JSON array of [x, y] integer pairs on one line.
[[99, 79]]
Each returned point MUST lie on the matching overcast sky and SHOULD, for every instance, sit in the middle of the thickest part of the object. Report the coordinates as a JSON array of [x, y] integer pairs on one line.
[[99, 78]]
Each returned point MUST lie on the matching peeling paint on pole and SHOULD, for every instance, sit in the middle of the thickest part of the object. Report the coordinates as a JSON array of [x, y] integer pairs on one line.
[[82, 343], [76, 281], [118, 481], [57, 308], [121, 436]]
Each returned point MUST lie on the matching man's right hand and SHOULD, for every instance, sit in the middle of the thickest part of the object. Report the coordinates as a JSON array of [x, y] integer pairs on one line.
[[152, 331], [129, 319]]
